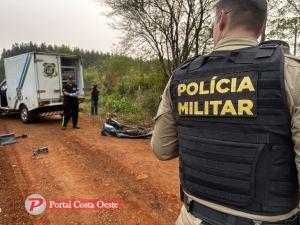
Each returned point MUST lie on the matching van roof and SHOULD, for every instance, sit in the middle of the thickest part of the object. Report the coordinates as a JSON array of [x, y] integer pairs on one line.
[[49, 53]]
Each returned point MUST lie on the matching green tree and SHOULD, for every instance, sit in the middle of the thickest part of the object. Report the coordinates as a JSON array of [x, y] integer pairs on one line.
[[284, 22], [170, 30]]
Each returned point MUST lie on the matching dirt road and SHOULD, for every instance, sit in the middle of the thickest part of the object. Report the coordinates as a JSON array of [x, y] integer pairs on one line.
[[82, 164]]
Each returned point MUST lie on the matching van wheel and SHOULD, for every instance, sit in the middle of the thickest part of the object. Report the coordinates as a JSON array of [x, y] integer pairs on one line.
[[25, 115]]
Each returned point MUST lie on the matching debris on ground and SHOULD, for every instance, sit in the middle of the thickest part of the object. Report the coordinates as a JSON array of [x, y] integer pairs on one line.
[[40, 151], [113, 128], [142, 177], [23, 136], [7, 139]]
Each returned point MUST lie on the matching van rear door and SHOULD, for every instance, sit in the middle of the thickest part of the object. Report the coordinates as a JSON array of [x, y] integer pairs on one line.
[[48, 74]]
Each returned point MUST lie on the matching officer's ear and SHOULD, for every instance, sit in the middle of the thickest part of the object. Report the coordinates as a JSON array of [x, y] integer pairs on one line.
[[259, 33], [223, 20]]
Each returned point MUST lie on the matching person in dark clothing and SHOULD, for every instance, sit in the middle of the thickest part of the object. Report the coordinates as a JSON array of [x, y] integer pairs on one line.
[[71, 103], [3, 98], [94, 99]]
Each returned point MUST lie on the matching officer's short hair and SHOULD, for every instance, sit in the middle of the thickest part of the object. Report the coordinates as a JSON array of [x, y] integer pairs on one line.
[[250, 14]]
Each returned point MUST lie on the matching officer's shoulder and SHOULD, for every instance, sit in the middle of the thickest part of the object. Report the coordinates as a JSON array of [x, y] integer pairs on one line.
[[289, 58], [292, 60], [187, 62]]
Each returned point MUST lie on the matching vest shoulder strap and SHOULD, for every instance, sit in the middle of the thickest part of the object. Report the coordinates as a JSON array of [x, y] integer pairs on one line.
[[239, 56], [187, 62], [273, 44]]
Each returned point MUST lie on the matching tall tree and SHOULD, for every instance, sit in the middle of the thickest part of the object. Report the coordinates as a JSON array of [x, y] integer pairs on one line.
[[295, 4], [170, 30], [284, 22]]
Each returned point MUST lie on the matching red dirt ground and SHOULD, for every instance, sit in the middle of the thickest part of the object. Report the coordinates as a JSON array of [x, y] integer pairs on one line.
[[82, 164]]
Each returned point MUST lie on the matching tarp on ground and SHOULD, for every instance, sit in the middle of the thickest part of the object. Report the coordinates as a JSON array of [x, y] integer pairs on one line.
[[113, 128]]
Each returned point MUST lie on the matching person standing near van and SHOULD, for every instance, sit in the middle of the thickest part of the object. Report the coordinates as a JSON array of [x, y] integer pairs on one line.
[[94, 99], [71, 103]]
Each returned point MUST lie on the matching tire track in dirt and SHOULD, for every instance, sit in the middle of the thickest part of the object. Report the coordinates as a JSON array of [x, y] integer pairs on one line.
[[145, 197], [11, 197], [118, 175], [55, 177]]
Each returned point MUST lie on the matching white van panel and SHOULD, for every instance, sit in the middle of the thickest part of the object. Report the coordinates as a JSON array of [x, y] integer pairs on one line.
[[48, 74]]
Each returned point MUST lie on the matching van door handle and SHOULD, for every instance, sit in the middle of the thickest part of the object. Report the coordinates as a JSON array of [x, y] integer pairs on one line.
[[41, 91], [57, 90]]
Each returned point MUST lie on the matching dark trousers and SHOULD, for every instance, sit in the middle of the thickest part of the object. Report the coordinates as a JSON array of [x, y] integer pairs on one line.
[[71, 109], [94, 107]]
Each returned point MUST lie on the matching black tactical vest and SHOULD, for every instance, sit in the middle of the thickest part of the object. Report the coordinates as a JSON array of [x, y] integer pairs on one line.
[[234, 130]]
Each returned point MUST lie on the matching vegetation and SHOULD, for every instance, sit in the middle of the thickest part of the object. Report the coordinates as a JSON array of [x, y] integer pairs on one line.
[[169, 30], [174, 30], [129, 87]]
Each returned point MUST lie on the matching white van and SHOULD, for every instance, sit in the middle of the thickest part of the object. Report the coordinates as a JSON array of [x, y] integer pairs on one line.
[[34, 81]]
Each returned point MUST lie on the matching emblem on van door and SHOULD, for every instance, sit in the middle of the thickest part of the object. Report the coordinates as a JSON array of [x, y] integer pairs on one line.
[[50, 70]]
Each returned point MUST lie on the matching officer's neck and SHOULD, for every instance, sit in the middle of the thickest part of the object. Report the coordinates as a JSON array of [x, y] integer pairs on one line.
[[241, 33]]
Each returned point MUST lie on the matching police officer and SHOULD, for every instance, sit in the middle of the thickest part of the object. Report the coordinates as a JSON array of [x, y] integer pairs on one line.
[[71, 103], [233, 117]]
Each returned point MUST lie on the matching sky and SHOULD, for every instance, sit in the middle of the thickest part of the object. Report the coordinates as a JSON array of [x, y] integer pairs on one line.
[[77, 23]]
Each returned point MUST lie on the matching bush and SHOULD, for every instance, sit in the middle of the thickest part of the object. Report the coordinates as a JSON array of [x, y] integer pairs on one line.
[[129, 88], [118, 104]]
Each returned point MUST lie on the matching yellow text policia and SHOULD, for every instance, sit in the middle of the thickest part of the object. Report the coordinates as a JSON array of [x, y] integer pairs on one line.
[[237, 102]]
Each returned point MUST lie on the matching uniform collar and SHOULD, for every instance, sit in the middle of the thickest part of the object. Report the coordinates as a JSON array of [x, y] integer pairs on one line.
[[232, 43]]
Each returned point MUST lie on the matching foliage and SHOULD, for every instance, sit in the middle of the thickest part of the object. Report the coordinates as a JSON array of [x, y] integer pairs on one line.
[[173, 30], [284, 22], [129, 87], [169, 30]]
